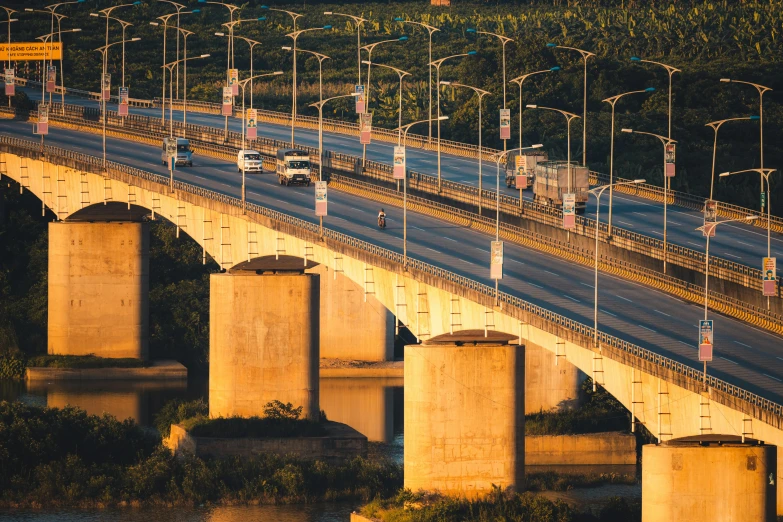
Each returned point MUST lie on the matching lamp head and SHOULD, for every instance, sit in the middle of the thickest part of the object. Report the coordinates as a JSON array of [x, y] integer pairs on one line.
[[627, 130], [261, 18], [551, 45], [327, 27], [751, 218], [443, 82], [725, 80], [137, 3], [530, 106], [262, 7], [29, 9], [220, 34], [76, 30], [554, 69], [754, 118], [196, 11], [287, 48], [365, 62], [204, 55], [650, 89], [92, 14], [472, 53], [470, 30], [136, 39], [154, 23], [327, 12], [536, 146], [403, 38], [635, 59], [441, 118], [639, 180], [398, 19], [277, 73], [356, 94], [724, 174]]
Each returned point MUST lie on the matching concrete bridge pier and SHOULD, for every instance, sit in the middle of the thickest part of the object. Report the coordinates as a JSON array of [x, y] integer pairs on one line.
[[99, 289], [465, 414], [551, 382], [263, 341]]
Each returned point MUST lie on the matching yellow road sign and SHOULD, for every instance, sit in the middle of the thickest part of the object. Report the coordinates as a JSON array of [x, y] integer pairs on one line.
[[27, 51]]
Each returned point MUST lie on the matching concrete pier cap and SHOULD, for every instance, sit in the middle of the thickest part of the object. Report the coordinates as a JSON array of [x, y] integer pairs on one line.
[[264, 338], [465, 414], [711, 478]]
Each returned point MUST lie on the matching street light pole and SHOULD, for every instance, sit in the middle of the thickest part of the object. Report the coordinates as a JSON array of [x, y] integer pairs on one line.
[[480, 93], [401, 74], [295, 36], [430, 29], [761, 90], [612, 101], [586, 55], [569, 117], [715, 126], [519, 80], [404, 131], [9, 12], [707, 229], [358, 21], [437, 64], [664, 141]]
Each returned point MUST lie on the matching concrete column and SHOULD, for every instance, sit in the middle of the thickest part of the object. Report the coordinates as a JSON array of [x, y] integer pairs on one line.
[[263, 342], [549, 387], [464, 414], [351, 327], [99, 289], [709, 479]]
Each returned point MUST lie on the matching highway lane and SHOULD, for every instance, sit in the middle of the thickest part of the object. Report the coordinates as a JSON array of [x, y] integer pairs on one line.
[[734, 242], [746, 356]]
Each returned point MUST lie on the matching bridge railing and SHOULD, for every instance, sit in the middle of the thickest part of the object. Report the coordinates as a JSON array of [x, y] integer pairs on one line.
[[511, 303], [227, 143]]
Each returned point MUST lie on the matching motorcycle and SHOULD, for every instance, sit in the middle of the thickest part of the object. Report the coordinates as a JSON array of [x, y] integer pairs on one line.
[[381, 222]]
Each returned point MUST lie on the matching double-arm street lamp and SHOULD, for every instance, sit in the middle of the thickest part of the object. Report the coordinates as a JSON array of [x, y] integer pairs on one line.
[[715, 126], [170, 68], [401, 74], [321, 58], [598, 192], [503, 41], [586, 55], [569, 117], [47, 38], [665, 142], [519, 80], [437, 63], [404, 129], [430, 29], [708, 230], [358, 21], [295, 36], [764, 173], [613, 101], [761, 89], [670, 71], [480, 93]]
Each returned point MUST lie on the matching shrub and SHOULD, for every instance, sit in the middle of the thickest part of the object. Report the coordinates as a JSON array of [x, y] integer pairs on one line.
[[176, 411], [83, 361], [12, 366]]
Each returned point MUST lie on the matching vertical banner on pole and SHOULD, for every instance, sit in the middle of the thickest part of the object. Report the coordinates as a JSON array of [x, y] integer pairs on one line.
[[505, 124], [496, 260], [705, 340], [365, 128], [123, 107], [399, 163], [360, 99], [569, 211], [106, 87], [233, 81], [710, 218], [671, 149], [320, 198], [43, 119], [51, 77], [228, 102], [520, 180], [171, 152], [769, 276], [252, 118], [9, 82]]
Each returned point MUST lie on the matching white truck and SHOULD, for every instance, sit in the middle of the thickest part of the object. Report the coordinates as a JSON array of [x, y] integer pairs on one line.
[[293, 167], [551, 182], [251, 160], [520, 168]]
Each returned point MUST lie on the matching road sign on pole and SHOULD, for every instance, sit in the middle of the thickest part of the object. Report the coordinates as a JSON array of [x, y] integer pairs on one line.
[[320, 198], [233, 81], [365, 128], [496, 260], [9, 82], [43, 120], [359, 99], [228, 102], [505, 124], [123, 107], [671, 149], [569, 211], [710, 217], [399, 162], [252, 118], [51, 77], [706, 340], [769, 276], [763, 200], [106, 87]]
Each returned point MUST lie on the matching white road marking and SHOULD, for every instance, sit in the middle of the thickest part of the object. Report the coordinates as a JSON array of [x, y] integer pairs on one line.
[[694, 244], [686, 344], [482, 250], [675, 223], [650, 329], [640, 213], [625, 223], [449, 239], [606, 312], [743, 243], [417, 228], [656, 232], [517, 262], [571, 298], [731, 255], [743, 344], [554, 274], [771, 377], [588, 286], [433, 250], [732, 362], [662, 313], [623, 298], [533, 284]]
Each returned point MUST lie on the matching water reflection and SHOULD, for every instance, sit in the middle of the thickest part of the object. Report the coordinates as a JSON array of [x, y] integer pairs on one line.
[[367, 405]]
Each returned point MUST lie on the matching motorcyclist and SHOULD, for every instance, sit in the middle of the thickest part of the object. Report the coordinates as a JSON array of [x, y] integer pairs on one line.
[[381, 218]]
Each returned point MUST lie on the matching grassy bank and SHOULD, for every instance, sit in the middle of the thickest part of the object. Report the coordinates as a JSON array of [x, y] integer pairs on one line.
[[82, 362]]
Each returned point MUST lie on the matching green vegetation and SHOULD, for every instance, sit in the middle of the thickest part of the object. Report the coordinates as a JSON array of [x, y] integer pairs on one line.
[[599, 412], [176, 411], [66, 458], [553, 481], [418, 507], [82, 361]]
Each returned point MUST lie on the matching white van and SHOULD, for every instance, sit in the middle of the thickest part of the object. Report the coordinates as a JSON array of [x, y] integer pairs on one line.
[[251, 159]]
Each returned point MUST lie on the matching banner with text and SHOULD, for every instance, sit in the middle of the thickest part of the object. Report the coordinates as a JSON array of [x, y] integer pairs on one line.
[[51, 78], [227, 102], [671, 149], [252, 119], [705, 340], [710, 217], [320, 198], [43, 120], [496, 260], [360, 99], [106, 87], [569, 211], [123, 108], [505, 124], [365, 128], [769, 276], [233, 81], [9, 82], [30, 51], [399, 162]]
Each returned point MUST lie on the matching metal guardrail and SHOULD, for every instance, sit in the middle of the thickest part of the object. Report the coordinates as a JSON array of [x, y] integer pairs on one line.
[[31, 149], [648, 246]]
